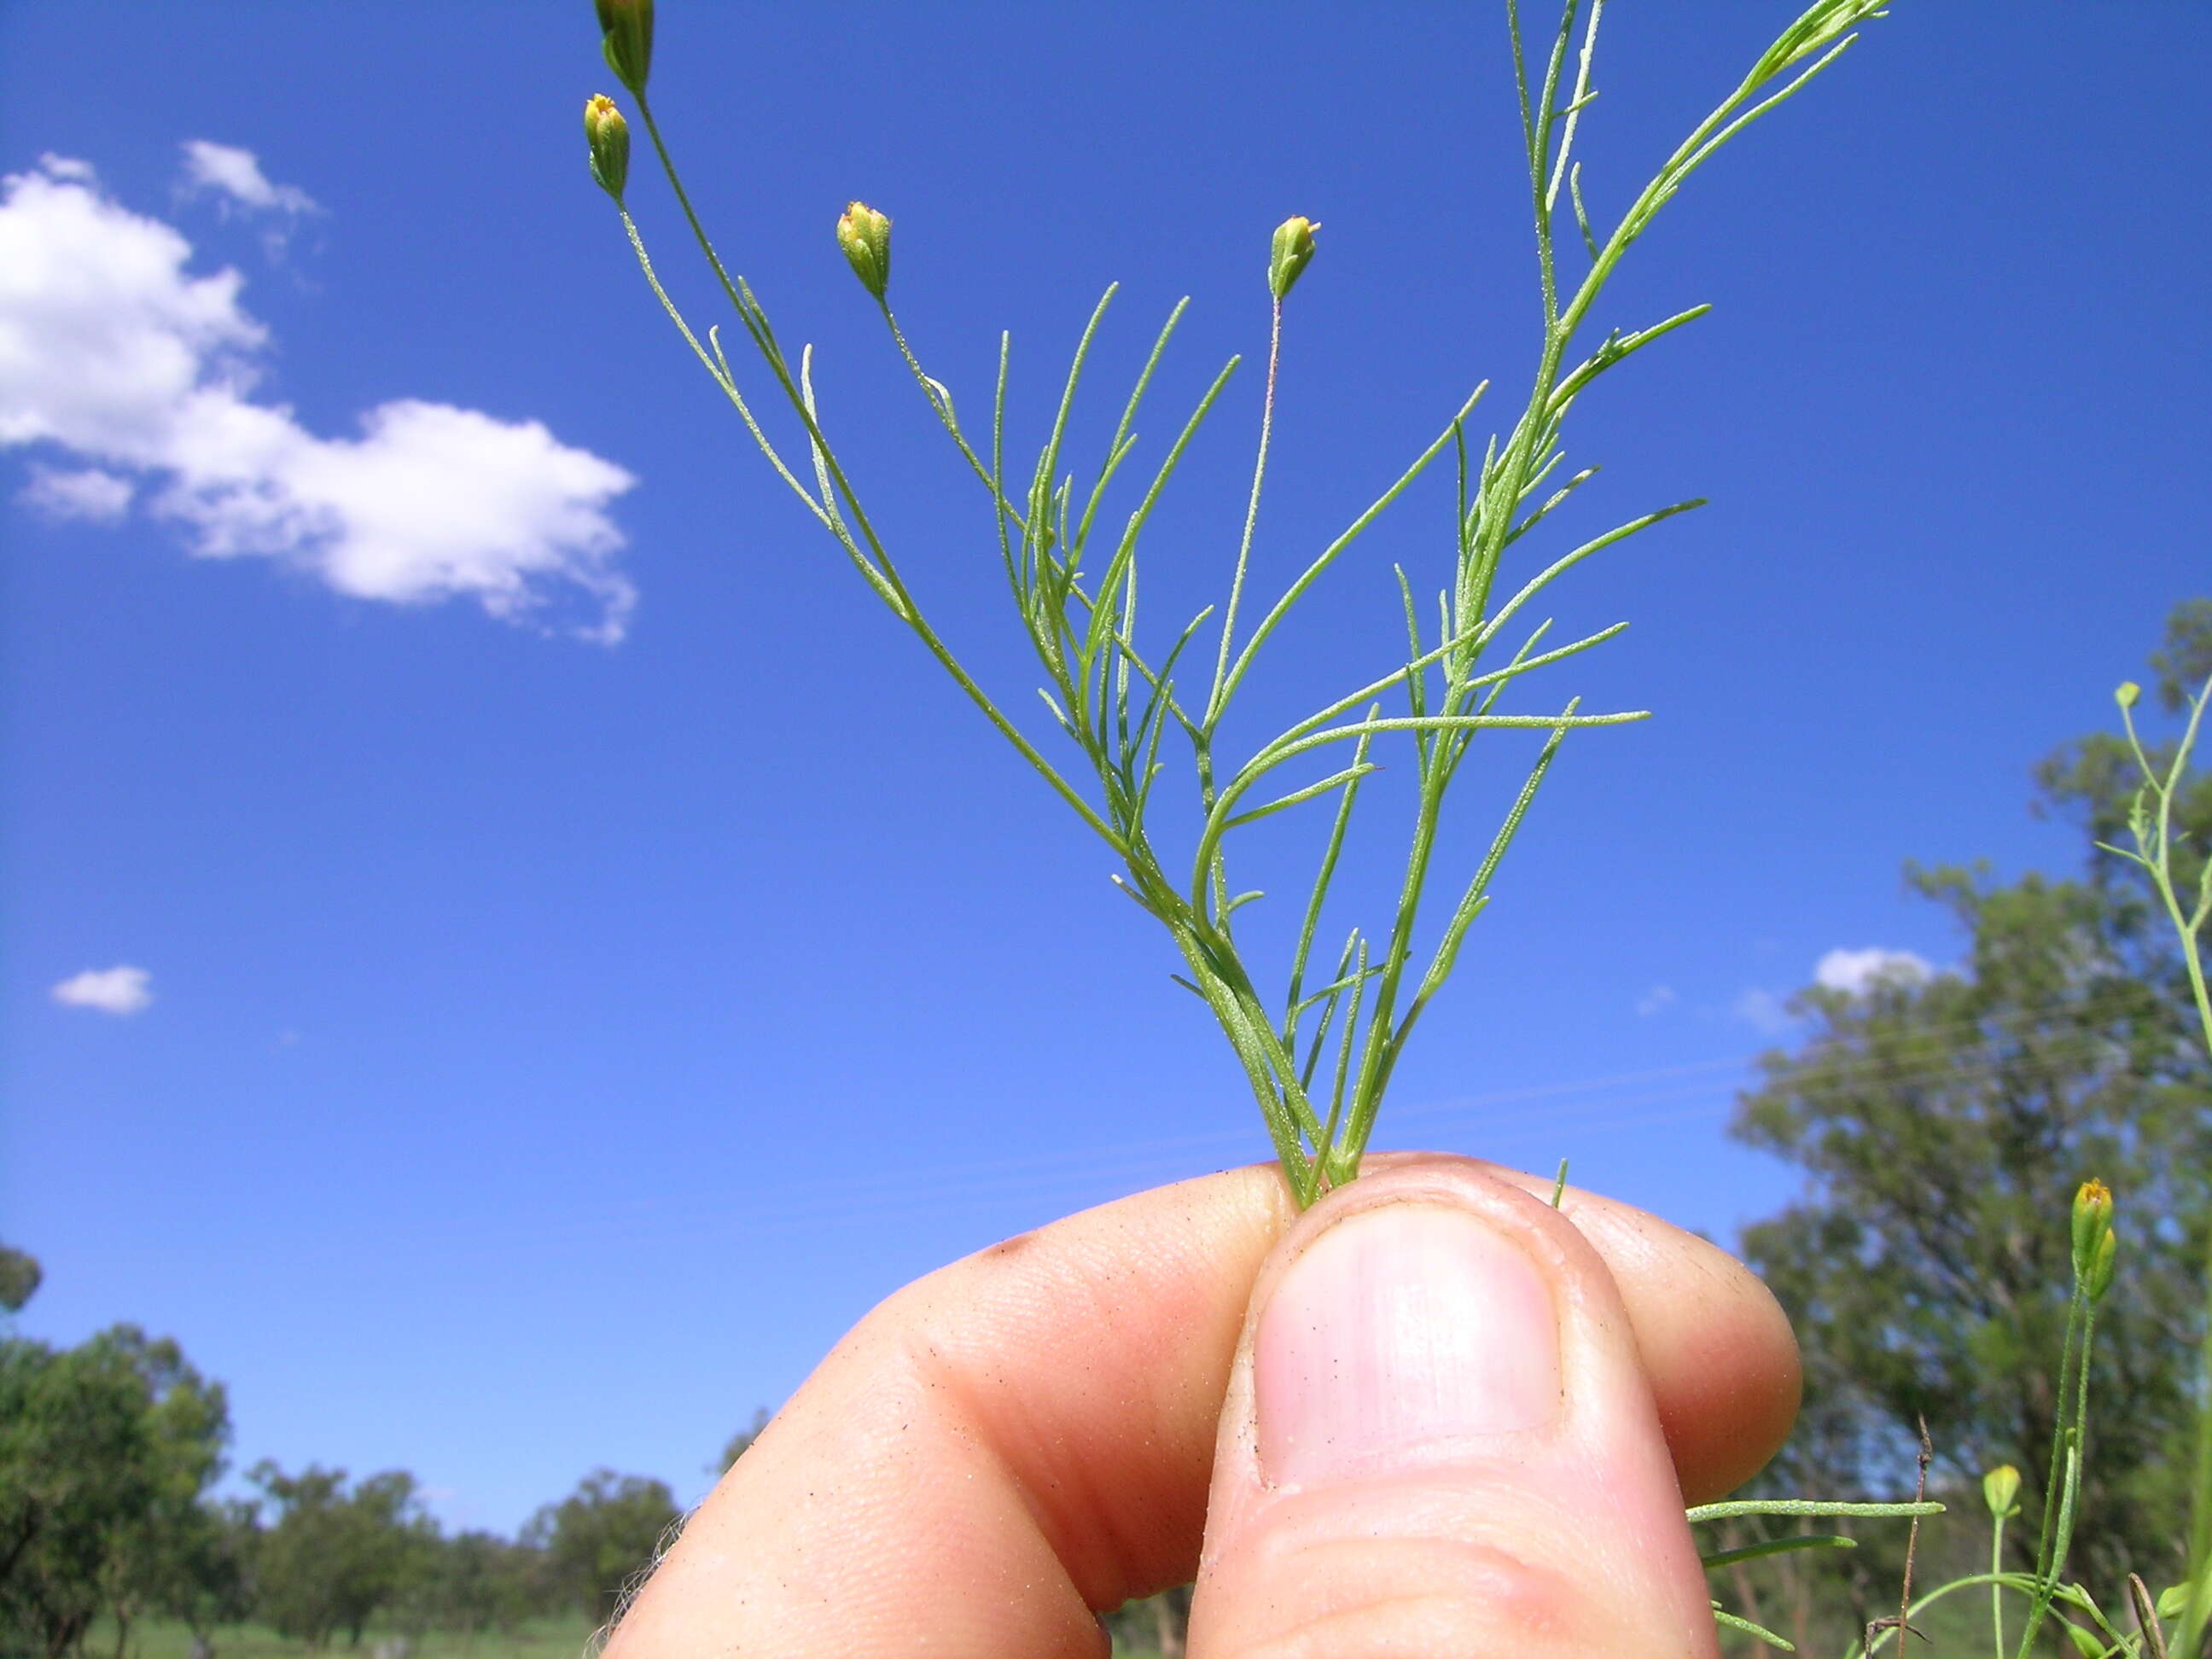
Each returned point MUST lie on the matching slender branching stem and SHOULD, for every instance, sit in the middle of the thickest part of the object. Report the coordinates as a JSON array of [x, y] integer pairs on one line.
[[2152, 832], [1114, 702], [1215, 699]]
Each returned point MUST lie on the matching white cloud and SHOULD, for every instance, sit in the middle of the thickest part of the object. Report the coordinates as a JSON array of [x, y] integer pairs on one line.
[[120, 991], [1856, 972], [1658, 997], [110, 350], [102, 497], [1764, 1011], [236, 175]]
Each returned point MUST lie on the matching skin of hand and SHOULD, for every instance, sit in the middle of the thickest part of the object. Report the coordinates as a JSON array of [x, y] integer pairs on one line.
[[1433, 1417]]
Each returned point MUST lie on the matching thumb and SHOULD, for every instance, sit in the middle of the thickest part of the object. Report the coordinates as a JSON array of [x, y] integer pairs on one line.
[[1438, 1440]]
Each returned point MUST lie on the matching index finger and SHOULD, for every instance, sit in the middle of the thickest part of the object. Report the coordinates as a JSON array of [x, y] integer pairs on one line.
[[1025, 1438]]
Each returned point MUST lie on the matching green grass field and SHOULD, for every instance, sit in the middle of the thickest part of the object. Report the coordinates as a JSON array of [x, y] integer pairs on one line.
[[1960, 1627], [157, 1638]]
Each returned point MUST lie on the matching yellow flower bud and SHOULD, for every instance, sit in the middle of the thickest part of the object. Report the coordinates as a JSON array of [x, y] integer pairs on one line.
[[865, 236], [2000, 1488], [2092, 1220], [626, 37], [1290, 253], [608, 135], [2126, 693]]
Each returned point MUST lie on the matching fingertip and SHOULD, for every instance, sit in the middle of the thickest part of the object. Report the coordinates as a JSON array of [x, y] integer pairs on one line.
[[1726, 1375], [1439, 1425]]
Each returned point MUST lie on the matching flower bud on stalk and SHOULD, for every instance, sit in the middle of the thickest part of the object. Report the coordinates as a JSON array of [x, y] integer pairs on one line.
[[2000, 1488], [626, 37], [2126, 693], [2093, 1221], [865, 236], [1812, 33], [1292, 252], [608, 135]]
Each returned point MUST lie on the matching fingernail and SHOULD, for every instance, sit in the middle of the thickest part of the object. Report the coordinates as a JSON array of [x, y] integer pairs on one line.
[[1400, 1327]]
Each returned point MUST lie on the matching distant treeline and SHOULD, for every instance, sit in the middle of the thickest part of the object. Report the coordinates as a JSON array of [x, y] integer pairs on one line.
[[108, 1455]]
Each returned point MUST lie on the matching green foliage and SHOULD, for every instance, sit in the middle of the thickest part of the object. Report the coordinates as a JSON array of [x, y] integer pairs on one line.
[[2169, 846], [476, 1581], [604, 1536], [1319, 1056], [1155, 1625], [174, 1552], [333, 1557], [19, 1275], [207, 1556], [75, 1468], [540, 1636], [99, 1446], [1944, 1125], [2098, 779], [107, 1454]]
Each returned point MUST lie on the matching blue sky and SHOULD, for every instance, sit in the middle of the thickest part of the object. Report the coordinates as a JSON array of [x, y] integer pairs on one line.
[[587, 956]]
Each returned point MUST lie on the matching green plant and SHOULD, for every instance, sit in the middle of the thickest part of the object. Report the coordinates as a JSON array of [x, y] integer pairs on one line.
[[1320, 1055], [2150, 825], [2049, 1596]]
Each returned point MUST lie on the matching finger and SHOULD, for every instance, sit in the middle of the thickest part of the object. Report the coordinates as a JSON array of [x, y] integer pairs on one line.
[[1722, 1362], [1026, 1435], [992, 1454], [1439, 1438]]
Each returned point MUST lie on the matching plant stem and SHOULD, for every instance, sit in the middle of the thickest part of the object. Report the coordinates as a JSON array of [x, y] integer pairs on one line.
[[2154, 851], [1216, 697], [1997, 1590]]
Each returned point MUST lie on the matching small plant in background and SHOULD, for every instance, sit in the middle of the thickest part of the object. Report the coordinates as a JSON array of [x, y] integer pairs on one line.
[[1319, 1052], [2157, 851], [2171, 1623]]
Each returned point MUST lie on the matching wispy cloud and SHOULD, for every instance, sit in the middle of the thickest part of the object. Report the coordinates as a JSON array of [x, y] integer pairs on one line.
[[112, 352], [1658, 997], [234, 179], [1764, 1011], [235, 175], [121, 991], [86, 493], [1856, 972]]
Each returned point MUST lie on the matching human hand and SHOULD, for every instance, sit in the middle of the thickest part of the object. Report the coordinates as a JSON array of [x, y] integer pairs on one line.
[[1430, 1417]]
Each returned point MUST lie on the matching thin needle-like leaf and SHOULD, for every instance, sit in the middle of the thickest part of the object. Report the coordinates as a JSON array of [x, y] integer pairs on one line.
[[1328, 555]]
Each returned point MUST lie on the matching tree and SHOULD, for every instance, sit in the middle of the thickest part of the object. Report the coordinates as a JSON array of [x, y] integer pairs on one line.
[[604, 1535], [480, 1581], [210, 1582], [1943, 1123], [107, 1451], [333, 1557], [160, 1552], [20, 1276], [77, 1469]]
